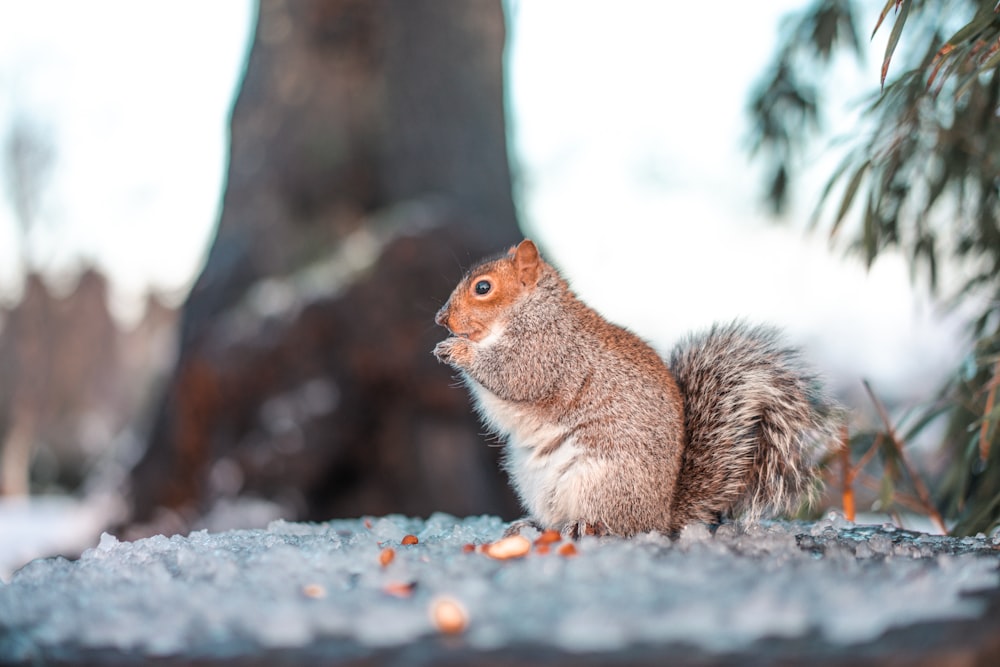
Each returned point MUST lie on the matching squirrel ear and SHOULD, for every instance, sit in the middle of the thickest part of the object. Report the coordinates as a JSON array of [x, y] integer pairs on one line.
[[527, 262]]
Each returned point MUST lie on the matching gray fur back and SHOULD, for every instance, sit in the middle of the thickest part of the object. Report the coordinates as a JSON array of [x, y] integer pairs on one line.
[[756, 420]]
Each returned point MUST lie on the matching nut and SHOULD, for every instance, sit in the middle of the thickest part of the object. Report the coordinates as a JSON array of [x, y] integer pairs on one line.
[[410, 539], [386, 556], [549, 537], [568, 549], [314, 591], [449, 615], [399, 589], [514, 546]]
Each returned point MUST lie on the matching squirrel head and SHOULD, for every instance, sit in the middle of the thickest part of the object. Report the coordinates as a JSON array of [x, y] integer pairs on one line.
[[481, 301]]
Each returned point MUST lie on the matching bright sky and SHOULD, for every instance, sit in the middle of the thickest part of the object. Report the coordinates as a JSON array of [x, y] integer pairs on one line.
[[633, 128], [628, 122], [135, 97]]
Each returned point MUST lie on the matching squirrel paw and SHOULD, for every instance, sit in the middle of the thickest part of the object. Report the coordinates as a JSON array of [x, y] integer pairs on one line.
[[454, 351], [578, 529]]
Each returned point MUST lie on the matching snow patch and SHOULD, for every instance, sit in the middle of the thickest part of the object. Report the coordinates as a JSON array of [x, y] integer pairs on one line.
[[293, 584]]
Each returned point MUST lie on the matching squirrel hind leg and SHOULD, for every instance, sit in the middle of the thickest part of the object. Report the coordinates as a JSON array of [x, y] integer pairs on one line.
[[579, 529], [515, 527], [573, 531]]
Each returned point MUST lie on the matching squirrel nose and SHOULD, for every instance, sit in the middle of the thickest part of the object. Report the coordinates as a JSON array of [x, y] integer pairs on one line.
[[441, 318]]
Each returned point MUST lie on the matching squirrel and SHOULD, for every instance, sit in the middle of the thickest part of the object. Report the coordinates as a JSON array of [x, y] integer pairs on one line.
[[603, 436]]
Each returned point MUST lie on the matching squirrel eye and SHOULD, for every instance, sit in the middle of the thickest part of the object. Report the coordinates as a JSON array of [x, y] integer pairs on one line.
[[483, 287]]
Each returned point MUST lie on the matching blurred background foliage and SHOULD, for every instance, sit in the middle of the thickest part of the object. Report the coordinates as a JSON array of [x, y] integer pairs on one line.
[[920, 176]]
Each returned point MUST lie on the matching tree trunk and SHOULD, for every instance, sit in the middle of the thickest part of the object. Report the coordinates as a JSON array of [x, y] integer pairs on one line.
[[368, 163]]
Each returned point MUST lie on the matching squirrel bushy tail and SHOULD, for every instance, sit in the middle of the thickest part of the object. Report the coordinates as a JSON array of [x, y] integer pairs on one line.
[[756, 423]]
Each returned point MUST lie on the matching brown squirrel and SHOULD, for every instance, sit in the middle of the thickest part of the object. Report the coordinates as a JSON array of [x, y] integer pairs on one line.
[[603, 436]]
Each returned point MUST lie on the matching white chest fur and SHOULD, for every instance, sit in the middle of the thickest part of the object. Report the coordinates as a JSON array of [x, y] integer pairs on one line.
[[549, 470]]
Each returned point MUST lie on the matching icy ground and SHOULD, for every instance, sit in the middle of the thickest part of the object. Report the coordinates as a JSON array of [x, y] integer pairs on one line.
[[293, 584], [45, 525]]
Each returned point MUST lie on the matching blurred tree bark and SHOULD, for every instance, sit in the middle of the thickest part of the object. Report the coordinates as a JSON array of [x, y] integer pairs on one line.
[[368, 164], [28, 158]]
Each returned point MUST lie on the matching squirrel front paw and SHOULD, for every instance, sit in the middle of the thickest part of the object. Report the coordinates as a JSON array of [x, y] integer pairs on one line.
[[454, 351]]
